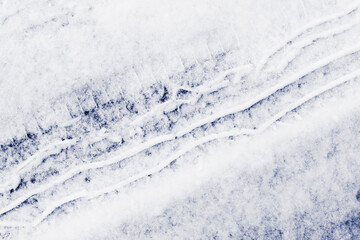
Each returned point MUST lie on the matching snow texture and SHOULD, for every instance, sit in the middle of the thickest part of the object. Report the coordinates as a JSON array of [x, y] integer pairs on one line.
[[179, 119]]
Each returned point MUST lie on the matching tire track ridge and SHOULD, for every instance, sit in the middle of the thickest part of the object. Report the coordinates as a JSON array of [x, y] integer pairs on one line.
[[201, 141], [168, 137], [300, 32]]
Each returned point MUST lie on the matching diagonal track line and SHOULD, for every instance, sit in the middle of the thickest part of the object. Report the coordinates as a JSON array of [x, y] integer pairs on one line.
[[300, 32], [189, 147], [169, 137]]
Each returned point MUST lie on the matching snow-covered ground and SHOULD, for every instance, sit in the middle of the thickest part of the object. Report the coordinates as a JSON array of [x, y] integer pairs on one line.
[[180, 119]]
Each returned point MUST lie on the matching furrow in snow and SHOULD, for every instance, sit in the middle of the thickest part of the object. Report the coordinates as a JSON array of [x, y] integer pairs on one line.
[[189, 147], [169, 137], [299, 33]]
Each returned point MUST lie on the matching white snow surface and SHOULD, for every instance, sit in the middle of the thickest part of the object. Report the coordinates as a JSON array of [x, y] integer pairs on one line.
[[179, 119]]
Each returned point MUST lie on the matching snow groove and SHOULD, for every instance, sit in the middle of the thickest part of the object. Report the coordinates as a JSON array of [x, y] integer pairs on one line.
[[300, 32], [183, 151], [171, 159]]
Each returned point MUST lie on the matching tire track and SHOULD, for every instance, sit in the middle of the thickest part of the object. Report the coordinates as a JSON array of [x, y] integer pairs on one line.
[[311, 41], [199, 142], [299, 33], [32, 161], [200, 91], [169, 137]]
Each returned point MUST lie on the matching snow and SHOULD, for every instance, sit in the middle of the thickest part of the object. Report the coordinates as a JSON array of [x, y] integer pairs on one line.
[[179, 119]]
